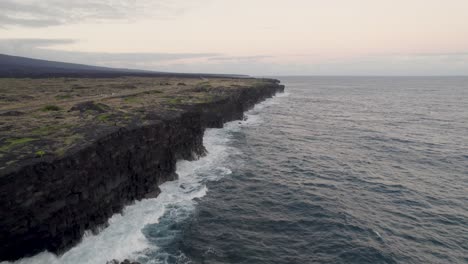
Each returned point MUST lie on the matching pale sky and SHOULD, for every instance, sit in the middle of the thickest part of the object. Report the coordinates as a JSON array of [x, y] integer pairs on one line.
[[255, 37]]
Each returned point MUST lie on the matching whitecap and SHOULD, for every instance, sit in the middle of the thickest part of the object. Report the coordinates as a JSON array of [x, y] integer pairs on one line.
[[123, 238]]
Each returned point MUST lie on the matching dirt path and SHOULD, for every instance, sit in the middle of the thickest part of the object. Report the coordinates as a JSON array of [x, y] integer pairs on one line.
[[62, 103]]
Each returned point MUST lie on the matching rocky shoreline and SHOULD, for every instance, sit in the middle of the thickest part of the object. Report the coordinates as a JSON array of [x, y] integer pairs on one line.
[[48, 204], [127, 261]]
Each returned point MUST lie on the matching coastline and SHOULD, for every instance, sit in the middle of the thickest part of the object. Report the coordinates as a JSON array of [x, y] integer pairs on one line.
[[101, 178]]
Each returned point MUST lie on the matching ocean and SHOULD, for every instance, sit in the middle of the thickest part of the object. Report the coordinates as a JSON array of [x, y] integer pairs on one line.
[[334, 170]]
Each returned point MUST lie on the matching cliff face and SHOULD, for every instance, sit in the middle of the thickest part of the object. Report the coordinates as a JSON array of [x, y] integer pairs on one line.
[[49, 205]]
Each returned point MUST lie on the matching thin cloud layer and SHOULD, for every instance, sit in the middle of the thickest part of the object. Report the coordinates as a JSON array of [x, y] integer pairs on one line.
[[241, 58], [44, 13], [41, 49], [397, 64]]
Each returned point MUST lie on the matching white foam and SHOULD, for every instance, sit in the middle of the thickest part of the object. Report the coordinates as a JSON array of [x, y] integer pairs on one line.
[[123, 238]]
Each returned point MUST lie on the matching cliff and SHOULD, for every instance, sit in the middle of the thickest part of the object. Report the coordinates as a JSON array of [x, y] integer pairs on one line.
[[50, 198]]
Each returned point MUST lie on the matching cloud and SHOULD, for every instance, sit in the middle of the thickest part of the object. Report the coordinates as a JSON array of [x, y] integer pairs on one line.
[[43, 13], [43, 49], [27, 22], [9, 45], [436, 54], [174, 62], [33, 13]]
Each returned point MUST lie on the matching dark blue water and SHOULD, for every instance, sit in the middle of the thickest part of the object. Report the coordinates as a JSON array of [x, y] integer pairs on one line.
[[337, 170], [342, 170]]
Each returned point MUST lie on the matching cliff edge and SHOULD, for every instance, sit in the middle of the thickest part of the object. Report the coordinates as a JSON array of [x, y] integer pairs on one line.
[[75, 151]]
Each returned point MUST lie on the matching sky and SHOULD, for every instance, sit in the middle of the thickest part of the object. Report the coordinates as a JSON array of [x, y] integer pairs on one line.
[[254, 37]]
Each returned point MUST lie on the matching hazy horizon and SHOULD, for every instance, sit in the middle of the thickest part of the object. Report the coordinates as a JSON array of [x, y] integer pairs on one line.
[[257, 37]]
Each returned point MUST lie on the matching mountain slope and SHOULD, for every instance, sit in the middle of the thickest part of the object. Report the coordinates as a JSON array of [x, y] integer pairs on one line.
[[16, 67]]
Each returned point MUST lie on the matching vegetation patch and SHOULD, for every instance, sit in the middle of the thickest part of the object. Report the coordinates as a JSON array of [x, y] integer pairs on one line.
[[90, 106], [104, 117], [63, 97], [67, 143], [174, 101], [49, 108], [203, 87], [12, 142], [206, 98], [153, 92], [102, 107], [40, 153], [259, 84], [131, 99], [47, 130]]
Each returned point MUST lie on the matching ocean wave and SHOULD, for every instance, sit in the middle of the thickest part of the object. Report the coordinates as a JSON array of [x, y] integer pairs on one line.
[[125, 236]]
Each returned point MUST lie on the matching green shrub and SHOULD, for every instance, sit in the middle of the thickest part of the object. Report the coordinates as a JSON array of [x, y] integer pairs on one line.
[[40, 153], [131, 99], [14, 142], [175, 101], [103, 117], [49, 129], [48, 108], [153, 92], [62, 97]]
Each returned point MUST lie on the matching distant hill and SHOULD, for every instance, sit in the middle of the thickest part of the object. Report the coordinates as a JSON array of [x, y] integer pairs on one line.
[[17, 67]]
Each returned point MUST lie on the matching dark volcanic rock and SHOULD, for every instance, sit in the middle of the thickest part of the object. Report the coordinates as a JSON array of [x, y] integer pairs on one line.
[[90, 106], [114, 261], [48, 205], [12, 113]]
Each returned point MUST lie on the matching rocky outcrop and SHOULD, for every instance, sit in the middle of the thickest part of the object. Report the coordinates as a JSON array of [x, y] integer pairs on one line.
[[48, 205], [114, 261]]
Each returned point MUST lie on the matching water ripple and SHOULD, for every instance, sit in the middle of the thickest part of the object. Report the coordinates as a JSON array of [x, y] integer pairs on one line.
[[344, 170]]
